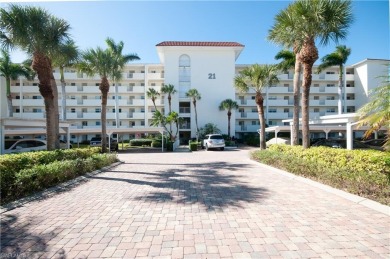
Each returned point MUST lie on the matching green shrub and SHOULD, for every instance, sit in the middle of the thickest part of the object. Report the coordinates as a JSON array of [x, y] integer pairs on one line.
[[193, 145], [156, 143], [141, 142], [36, 171], [362, 172]]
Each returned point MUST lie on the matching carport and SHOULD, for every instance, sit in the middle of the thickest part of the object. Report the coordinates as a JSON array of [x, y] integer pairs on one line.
[[342, 122]]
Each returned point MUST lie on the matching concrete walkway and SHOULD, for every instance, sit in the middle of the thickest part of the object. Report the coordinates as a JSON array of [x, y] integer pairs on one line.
[[194, 205]]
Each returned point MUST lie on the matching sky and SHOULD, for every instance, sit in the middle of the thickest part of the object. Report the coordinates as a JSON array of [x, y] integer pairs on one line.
[[143, 24]]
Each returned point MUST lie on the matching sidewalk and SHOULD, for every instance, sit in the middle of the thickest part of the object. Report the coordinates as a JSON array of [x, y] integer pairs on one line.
[[214, 204]]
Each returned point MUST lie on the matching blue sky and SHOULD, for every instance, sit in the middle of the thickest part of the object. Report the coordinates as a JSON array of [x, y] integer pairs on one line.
[[143, 24]]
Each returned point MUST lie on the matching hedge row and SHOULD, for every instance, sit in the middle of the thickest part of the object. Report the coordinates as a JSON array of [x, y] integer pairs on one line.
[[26, 173], [362, 172]]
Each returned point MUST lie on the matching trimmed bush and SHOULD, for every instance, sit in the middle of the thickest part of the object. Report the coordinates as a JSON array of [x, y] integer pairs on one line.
[[361, 172], [141, 142], [193, 145], [36, 171], [156, 143]]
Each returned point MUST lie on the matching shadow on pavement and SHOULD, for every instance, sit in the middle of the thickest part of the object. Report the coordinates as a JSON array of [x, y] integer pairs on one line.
[[210, 184]]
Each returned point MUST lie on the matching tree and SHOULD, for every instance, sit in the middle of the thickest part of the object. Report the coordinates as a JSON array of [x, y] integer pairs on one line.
[[289, 60], [160, 119], [376, 113], [67, 56], [40, 34], [228, 105], [256, 78], [10, 71], [336, 58], [170, 90], [209, 128], [299, 26], [119, 60], [195, 95], [153, 94], [107, 64]]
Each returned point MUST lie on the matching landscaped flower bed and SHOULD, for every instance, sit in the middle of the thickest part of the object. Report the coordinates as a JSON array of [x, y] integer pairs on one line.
[[362, 172], [25, 173]]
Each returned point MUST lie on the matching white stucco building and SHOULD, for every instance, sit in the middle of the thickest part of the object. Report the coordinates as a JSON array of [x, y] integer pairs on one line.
[[209, 67]]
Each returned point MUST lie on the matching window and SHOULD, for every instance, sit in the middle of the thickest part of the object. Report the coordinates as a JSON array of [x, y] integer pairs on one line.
[[84, 84], [330, 85], [73, 110], [254, 109], [330, 98], [255, 123], [73, 97], [316, 85], [286, 85], [97, 123], [35, 97], [97, 84], [153, 84], [331, 110], [98, 110], [286, 110], [85, 123], [132, 123], [316, 97], [253, 97], [142, 123], [17, 110], [142, 109], [142, 84], [97, 97], [35, 84], [272, 110], [17, 97], [73, 84], [142, 97], [84, 97], [330, 73], [37, 110], [316, 110], [272, 97]]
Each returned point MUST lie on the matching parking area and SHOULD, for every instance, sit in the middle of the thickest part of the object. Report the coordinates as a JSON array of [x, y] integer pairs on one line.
[[206, 204]]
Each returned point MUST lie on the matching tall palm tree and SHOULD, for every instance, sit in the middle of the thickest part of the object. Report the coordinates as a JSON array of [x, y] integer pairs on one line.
[[170, 90], [289, 61], [376, 113], [119, 61], [299, 26], [40, 34], [153, 94], [228, 105], [10, 71], [256, 78], [67, 56], [337, 58], [195, 96], [99, 61]]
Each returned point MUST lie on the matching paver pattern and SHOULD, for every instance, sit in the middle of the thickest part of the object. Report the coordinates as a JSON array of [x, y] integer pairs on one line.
[[193, 205]]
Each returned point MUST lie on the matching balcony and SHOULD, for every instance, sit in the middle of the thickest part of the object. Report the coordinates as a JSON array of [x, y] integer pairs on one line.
[[247, 128], [156, 76], [136, 102], [28, 102], [136, 76]]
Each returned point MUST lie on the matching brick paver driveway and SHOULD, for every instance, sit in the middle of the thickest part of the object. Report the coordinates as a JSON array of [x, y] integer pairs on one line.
[[194, 205]]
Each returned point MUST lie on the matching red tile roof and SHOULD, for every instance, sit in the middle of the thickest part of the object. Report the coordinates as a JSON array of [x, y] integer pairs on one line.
[[200, 44]]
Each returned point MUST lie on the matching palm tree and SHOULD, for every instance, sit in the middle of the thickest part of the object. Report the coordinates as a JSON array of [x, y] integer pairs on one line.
[[228, 105], [10, 71], [376, 113], [194, 95], [299, 26], [170, 90], [67, 56], [336, 58], [256, 78], [40, 34], [119, 61], [153, 94], [289, 61]]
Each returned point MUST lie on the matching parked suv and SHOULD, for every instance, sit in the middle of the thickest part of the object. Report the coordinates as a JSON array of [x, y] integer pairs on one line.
[[97, 142], [213, 141]]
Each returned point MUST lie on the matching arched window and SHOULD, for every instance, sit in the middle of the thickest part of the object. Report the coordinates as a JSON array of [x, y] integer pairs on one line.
[[184, 74]]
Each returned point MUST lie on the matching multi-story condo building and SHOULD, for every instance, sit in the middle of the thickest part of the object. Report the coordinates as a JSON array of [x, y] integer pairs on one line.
[[208, 67]]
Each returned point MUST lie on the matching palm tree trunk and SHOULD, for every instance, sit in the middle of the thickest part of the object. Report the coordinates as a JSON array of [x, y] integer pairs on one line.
[[42, 66], [297, 90], [170, 109], [9, 97], [260, 109], [229, 114], [340, 91], [63, 94], [104, 88], [196, 121], [308, 55], [56, 112]]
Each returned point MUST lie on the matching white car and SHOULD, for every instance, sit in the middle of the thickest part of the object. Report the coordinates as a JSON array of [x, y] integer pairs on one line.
[[213, 141], [23, 145]]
